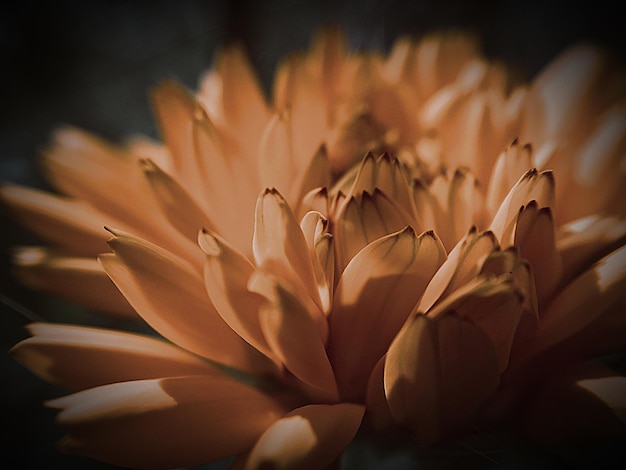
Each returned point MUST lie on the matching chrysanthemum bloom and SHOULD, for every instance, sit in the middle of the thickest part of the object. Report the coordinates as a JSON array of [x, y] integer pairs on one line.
[[403, 242]]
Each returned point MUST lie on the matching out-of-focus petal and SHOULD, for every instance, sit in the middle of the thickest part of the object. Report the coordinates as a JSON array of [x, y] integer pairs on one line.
[[512, 162], [69, 223], [582, 301], [175, 107], [146, 423], [79, 280], [585, 403], [375, 295], [175, 202], [106, 356], [310, 437], [584, 241], [169, 294]]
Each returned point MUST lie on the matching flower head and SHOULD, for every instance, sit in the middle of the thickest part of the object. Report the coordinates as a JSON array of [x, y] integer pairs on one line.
[[403, 241]]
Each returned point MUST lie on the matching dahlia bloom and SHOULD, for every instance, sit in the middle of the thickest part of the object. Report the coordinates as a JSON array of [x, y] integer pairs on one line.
[[405, 241]]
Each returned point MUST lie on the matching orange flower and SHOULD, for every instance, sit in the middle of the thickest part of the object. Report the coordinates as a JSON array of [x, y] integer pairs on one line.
[[379, 246]]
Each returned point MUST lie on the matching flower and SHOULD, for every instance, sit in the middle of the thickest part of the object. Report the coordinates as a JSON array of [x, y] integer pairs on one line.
[[379, 246]]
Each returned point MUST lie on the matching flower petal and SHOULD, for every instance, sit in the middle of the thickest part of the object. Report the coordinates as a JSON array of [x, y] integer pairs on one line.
[[374, 297], [310, 437], [106, 356], [279, 242], [69, 223], [532, 186], [581, 403], [438, 373], [175, 107], [361, 220], [177, 205], [169, 294], [584, 241], [582, 301], [494, 305], [226, 275], [146, 423], [535, 237], [413, 379], [79, 280], [461, 266], [294, 338]]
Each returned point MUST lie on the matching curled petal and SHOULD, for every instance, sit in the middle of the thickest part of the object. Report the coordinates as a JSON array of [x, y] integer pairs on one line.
[[106, 356], [146, 423], [310, 437]]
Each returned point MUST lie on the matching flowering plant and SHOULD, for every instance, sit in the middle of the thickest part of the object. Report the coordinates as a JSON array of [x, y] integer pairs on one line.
[[392, 242]]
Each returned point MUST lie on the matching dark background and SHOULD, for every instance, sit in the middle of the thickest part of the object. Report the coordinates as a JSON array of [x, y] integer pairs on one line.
[[91, 64]]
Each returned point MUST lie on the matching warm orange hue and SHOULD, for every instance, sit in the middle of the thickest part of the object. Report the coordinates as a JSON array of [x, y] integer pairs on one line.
[[406, 240]]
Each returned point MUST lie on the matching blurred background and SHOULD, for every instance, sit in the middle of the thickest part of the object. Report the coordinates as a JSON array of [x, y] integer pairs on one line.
[[91, 64]]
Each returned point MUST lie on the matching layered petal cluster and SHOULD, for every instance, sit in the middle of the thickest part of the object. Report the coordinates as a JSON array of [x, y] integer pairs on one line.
[[407, 240]]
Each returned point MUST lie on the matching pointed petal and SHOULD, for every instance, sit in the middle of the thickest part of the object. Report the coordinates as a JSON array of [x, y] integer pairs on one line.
[[170, 296], [376, 294], [146, 423], [532, 186], [79, 280], [535, 237], [363, 220], [106, 356], [310, 437], [461, 266], [279, 242]]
